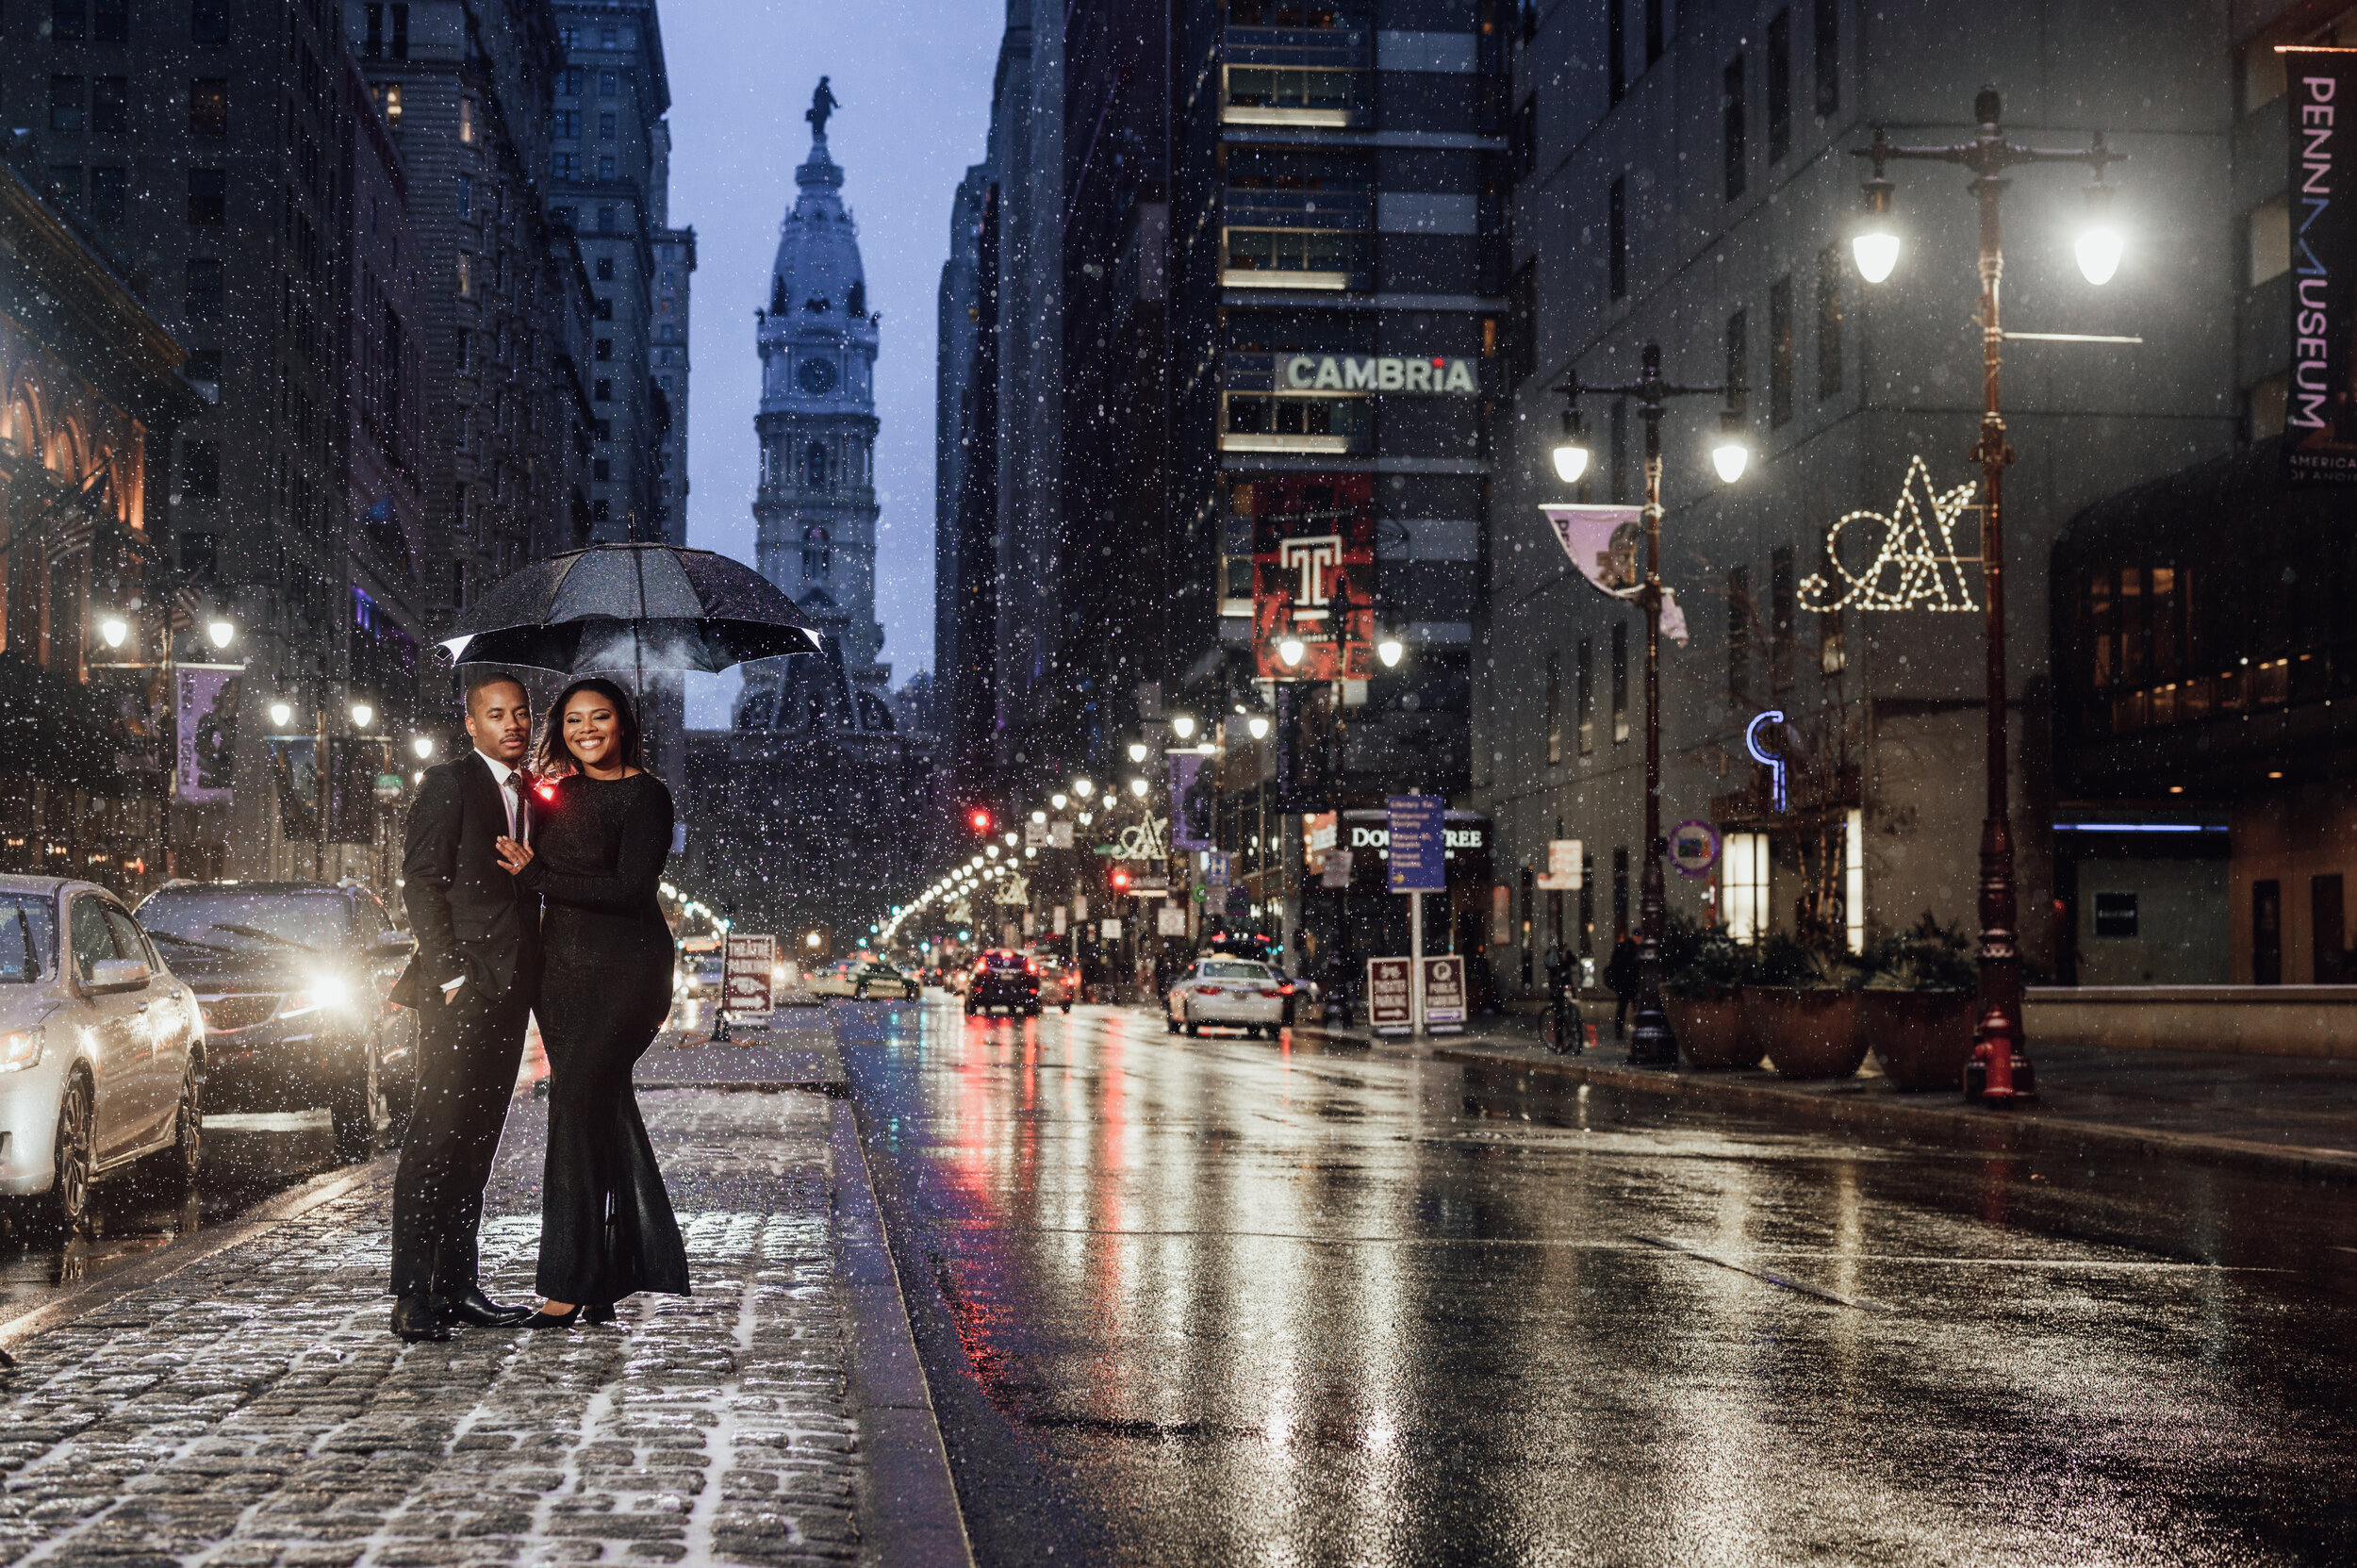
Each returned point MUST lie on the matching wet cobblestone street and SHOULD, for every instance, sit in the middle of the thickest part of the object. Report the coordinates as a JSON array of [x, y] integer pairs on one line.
[[252, 1409]]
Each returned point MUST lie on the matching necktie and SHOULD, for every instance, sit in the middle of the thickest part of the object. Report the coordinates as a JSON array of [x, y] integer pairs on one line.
[[512, 788]]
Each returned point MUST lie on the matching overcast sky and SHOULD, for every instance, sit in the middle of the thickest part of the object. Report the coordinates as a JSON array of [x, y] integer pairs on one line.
[[913, 79]]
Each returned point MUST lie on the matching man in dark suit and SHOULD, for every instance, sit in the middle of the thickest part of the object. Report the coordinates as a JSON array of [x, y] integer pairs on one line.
[[471, 980]]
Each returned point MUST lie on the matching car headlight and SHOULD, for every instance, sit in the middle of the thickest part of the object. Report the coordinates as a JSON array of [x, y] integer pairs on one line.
[[323, 991], [19, 1050]]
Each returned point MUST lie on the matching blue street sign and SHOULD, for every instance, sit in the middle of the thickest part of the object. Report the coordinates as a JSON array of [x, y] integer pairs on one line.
[[1419, 861]]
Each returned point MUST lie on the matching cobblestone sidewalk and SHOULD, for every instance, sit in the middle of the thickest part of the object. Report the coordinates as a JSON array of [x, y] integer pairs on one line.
[[252, 1410]]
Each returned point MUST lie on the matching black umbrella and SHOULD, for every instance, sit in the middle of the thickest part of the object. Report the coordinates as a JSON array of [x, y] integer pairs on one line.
[[631, 608]]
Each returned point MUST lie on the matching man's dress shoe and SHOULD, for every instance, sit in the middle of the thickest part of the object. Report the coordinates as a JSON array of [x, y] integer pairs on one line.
[[414, 1319], [479, 1309]]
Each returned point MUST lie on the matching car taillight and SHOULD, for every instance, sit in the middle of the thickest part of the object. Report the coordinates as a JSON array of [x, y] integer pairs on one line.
[[1211, 990], [1286, 989], [1030, 967]]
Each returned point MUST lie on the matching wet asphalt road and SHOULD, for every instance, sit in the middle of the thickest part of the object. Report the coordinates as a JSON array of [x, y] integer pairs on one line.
[[1226, 1301]]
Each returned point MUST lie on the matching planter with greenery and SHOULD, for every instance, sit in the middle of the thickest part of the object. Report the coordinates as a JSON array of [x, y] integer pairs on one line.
[[1802, 1008], [1703, 971], [1919, 1005]]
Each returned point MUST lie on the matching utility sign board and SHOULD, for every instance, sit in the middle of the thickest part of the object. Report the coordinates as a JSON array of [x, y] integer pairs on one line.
[[1445, 994], [1419, 845], [1388, 1009], [746, 975], [1562, 874]]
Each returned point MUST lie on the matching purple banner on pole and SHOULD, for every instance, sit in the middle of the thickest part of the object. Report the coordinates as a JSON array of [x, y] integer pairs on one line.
[[2320, 408], [206, 734], [1189, 801]]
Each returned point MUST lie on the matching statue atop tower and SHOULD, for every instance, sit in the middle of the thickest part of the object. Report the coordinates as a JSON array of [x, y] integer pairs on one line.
[[822, 104]]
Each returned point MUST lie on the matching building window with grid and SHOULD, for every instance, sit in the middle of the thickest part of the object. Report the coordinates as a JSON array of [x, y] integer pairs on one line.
[[1739, 637], [208, 195], [1736, 153], [1830, 270], [1585, 697], [1554, 705], [65, 103], [1616, 238], [1783, 641], [1780, 351], [1620, 682], [1825, 40], [111, 106], [209, 106]]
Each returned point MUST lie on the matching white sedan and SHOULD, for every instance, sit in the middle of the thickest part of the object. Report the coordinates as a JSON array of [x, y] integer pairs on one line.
[[101, 1050], [1228, 993]]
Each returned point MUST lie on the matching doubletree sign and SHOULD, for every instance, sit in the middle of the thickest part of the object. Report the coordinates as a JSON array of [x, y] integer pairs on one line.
[[1368, 373]]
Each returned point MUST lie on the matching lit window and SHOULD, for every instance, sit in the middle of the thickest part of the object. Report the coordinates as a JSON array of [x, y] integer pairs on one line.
[[466, 122], [1853, 878], [1744, 880]]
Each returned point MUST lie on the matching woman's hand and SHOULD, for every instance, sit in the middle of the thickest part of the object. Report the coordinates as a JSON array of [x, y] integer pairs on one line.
[[514, 857]]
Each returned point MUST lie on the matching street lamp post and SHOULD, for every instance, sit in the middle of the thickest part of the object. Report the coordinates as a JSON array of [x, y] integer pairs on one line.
[[1988, 154], [1651, 1043]]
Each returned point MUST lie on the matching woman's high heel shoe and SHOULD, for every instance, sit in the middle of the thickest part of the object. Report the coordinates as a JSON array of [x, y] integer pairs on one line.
[[564, 1319]]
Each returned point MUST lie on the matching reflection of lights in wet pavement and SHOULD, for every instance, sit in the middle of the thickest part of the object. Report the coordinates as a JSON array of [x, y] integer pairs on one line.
[[1337, 1303]]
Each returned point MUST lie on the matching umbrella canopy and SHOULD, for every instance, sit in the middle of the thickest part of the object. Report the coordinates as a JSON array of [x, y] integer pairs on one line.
[[631, 608]]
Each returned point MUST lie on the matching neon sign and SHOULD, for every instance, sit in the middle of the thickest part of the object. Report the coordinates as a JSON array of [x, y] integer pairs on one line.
[[1767, 759]]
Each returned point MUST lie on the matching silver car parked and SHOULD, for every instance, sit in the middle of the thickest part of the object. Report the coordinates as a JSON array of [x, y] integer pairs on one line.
[[101, 1049]]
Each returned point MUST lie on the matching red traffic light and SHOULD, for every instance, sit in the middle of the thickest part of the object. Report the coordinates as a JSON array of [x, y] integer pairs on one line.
[[1121, 880], [979, 821]]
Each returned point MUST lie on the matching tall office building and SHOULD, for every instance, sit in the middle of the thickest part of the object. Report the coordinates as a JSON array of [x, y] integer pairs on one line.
[[609, 167]]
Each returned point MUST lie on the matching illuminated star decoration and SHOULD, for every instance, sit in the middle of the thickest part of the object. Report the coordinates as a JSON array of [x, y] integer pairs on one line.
[[960, 913], [1143, 840], [1015, 890], [1918, 567]]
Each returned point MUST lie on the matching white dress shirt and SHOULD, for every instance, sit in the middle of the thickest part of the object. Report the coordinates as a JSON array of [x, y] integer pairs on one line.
[[511, 787]]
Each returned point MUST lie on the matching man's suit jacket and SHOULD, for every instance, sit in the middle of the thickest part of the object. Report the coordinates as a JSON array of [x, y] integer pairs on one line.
[[467, 913]]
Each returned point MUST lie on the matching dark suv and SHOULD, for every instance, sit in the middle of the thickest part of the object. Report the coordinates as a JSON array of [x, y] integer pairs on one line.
[[295, 981], [1005, 980]]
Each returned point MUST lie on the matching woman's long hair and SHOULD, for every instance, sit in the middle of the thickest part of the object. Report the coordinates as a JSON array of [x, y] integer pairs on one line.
[[555, 758]]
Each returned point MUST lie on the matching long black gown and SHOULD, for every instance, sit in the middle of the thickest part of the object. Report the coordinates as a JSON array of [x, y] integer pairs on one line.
[[605, 1222]]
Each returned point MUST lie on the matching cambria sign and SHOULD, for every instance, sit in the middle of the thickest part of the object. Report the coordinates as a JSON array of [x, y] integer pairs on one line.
[[1368, 373]]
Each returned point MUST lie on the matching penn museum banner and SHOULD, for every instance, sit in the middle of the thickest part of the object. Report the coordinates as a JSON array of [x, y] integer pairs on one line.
[[2321, 413]]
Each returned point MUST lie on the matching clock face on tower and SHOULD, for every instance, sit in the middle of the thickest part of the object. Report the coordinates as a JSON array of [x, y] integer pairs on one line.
[[817, 376]]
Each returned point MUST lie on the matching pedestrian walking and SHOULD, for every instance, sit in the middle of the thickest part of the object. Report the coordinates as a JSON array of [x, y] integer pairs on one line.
[[1621, 976], [606, 1226], [471, 980]]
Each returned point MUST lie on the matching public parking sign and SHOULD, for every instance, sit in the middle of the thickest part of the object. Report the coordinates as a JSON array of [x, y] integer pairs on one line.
[[1389, 1009], [1445, 993], [1419, 846]]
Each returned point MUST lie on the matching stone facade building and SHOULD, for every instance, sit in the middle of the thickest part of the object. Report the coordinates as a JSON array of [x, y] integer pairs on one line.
[[90, 390], [816, 511]]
